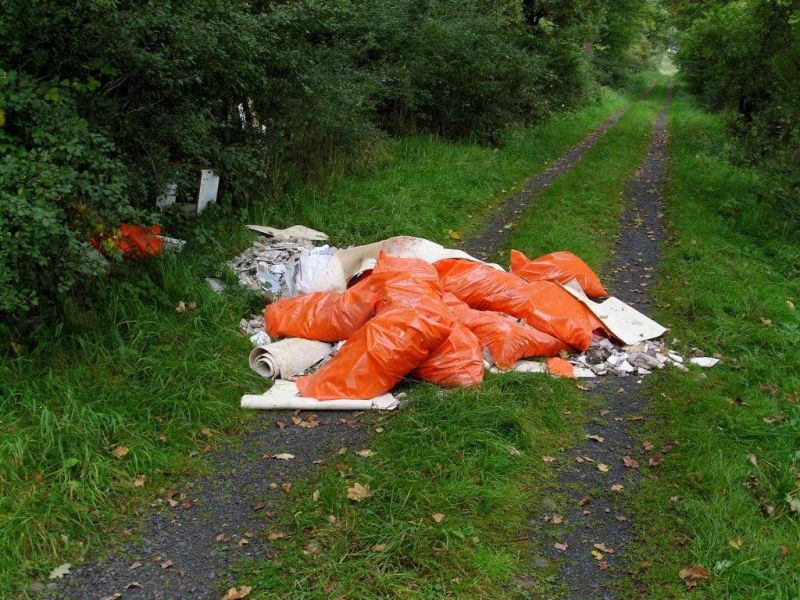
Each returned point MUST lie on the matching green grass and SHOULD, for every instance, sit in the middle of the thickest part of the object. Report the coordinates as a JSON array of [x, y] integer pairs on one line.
[[132, 371], [581, 211], [726, 271], [473, 456]]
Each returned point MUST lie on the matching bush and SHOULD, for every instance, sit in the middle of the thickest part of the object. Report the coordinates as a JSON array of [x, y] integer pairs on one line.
[[107, 102]]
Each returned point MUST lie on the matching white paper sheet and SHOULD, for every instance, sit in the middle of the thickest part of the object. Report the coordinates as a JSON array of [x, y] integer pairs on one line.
[[284, 395]]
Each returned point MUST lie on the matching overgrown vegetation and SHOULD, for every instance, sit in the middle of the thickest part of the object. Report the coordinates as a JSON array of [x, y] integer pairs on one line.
[[103, 103], [743, 58], [728, 495]]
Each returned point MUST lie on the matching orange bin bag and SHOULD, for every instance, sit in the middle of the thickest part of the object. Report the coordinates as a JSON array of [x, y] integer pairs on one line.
[[377, 356], [322, 316], [506, 339], [456, 363], [558, 367], [560, 267], [542, 304]]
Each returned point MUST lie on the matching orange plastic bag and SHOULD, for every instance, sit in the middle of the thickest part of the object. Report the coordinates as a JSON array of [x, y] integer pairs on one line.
[[559, 367], [542, 304], [410, 324], [134, 241], [322, 316], [506, 339], [560, 267], [456, 363], [377, 356]]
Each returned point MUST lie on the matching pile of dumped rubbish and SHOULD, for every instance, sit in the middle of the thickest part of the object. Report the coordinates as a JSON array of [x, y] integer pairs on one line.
[[352, 323]]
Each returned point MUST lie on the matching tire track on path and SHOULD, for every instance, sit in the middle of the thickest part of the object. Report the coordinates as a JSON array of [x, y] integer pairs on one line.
[[496, 232], [591, 514]]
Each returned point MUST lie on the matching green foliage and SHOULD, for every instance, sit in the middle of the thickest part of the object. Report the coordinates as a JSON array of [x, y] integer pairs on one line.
[[743, 57], [135, 95]]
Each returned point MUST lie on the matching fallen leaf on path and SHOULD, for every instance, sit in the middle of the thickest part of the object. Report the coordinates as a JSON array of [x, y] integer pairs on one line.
[[602, 467], [597, 554], [139, 481], [166, 564], [603, 548], [438, 517], [275, 535], [221, 538], [655, 460], [596, 438], [283, 456], [120, 451], [691, 575], [237, 593], [556, 519], [621, 518], [114, 596], [286, 486], [647, 446], [358, 492], [584, 501], [280, 424], [630, 462], [366, 453], [134, 565], [602, 565], [560, 547], [60, 571], [259, 506], [617, 487], [379, 430], [604, 412]]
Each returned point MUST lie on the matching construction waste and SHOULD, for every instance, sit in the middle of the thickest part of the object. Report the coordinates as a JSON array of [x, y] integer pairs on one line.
[[353, 323]]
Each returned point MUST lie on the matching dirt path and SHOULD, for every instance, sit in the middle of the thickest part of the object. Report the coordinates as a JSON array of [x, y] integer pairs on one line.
[[590, 511], [185, 551], [495, 233]]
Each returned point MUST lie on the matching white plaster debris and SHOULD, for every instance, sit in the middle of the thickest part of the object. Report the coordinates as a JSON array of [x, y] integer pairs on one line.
[[268, 265], [704, 361]]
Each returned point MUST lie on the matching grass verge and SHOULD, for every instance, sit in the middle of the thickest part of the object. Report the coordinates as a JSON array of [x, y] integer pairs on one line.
[[133, 374], [728, 497]]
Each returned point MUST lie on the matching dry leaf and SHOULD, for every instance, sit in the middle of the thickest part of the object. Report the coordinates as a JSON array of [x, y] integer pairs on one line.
[[221, 538], [237, 593], [280, 424], [166, 564], [379, 548], [286, 486], [206, 432], [691, 575], [120, 451], [181, 307], [60, 571], [315, 495], [630, 462], [735, 543], [134, 565], [139, 481], [312, 548], [561, 547], [358, 492], [283, 456], [584, 501], [596, 438], [379, 430], [766, 322], [655, 460], [366, 453], [556, 519], [784, 550], [548, 459], [602, 467], [259, 506], [647, 446], [275, 535], [603, 548], [753, 460], [597, 554], [617, 487], [438, 517]]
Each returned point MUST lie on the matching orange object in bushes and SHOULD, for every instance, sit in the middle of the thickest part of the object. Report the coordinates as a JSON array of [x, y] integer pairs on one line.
[[456, 363], [133, 241], [560, 267], [506, 339], [559, 367], [542, 304], [322, 316]]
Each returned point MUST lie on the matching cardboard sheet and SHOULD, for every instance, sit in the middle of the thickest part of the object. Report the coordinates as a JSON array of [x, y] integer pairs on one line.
[[625, 322], [295, 231], [284, 395]]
